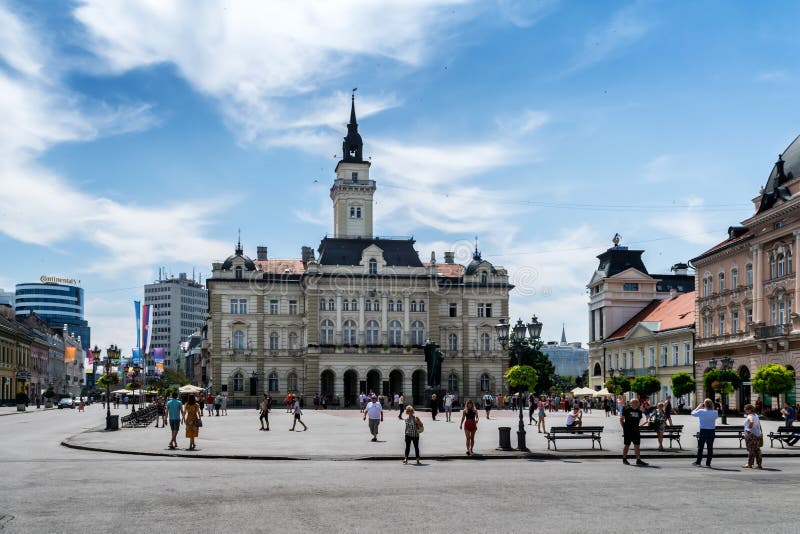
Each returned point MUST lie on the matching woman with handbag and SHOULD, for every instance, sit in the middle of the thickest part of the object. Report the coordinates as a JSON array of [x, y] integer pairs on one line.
[[414, 428], [192, 419], [753, 436]]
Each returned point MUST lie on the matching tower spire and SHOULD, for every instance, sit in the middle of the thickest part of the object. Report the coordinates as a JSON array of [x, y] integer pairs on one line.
[[353, 146], [563, 335], [239, 249]]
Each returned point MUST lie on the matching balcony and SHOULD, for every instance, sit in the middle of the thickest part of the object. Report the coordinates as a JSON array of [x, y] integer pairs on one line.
[[776, 330]]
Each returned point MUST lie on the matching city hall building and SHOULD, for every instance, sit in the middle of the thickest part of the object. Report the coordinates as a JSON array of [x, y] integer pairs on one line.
[[355, 316]]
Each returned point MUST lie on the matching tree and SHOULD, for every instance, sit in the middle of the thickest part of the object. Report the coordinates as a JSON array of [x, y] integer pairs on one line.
[[522, 377], [646, 385], [721, 380], [563, 383], [528, 352], [683, 384], [618, 385], [170, 377], [773, 379], [107, 380]]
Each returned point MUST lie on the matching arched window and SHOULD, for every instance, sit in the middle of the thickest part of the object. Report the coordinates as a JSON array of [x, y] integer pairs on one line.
[[417, 333], [413, 306], [372, 332], [452, 342], [293, 340], [422, 305], [238, 382], [326, 332], [452, 382], [485, 382], [395, 333], [721, 282], [331, 305], [748, 274], [349, 332], [367, 305], [345, 305], [789, 268], [354, 305], [291, 382], [734, 278], [373, 266], [391, 305], [238, 339], [273, 341], [273, 382], [322, 303], [485, 342], [238, 272], [484, 278], [781, 264], [399, 305], [597, 370], [772, 265]]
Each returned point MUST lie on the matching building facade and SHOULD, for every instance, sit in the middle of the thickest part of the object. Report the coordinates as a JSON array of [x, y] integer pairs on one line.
[[356, 317], [749, 285], [619, 290], [57, 301], [179, 307], [15, 357], [569, 359]]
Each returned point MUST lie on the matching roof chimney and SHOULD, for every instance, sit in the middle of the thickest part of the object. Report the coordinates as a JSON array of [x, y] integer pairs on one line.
[[261, 253], [306, 254], [449, 257]]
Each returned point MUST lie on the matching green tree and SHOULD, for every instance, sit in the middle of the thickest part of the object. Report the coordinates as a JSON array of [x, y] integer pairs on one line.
[[107, 380], [645, 385], [618, 385], [563, 383], [522, 377], [170, 377], [683, 384], [528, 352], [773, 379], [721, 380]]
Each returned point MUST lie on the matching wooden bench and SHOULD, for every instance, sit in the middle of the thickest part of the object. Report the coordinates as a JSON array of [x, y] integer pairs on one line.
[[671, 432], [727, 432], [564, 432], [785, 434]]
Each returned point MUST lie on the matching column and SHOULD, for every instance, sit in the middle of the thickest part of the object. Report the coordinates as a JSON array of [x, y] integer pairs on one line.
[[796, 262], [338, 327], [406, 320], [757, 286], [384, 319], [361, 338]]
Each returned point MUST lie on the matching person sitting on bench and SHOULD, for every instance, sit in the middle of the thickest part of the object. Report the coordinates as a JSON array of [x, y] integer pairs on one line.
[[574, 418]]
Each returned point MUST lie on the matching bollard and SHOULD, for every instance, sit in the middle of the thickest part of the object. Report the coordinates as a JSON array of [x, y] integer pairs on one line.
[[505, 438], [112, 423]]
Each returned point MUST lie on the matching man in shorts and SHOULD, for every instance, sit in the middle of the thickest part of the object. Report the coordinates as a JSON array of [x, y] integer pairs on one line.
[[448, 406], [487, 404], [374, 411], [631, 419], [174, 411]]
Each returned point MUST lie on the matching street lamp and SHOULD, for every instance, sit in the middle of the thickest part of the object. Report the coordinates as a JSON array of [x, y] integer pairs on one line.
[[112, 353], [534, 330]]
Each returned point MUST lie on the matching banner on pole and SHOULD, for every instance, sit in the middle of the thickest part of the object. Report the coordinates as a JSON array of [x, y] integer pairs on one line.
[[145, 329], [137, 310], [69, 354], [158, 358], [137, 357]]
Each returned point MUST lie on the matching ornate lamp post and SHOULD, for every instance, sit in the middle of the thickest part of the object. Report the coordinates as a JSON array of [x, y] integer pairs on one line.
[[534, 330]]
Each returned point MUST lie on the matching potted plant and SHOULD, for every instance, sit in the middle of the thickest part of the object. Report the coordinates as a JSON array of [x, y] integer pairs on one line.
[[48, 395], [22, 400]]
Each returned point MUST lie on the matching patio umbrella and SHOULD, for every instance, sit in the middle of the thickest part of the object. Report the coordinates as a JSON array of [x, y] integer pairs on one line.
[[602, 393], [189, 389]]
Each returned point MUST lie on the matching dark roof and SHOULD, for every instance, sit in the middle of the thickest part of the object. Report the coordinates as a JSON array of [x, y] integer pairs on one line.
[[617, 259], [396, 252], [248, 263], [785, 169], [682, 283]]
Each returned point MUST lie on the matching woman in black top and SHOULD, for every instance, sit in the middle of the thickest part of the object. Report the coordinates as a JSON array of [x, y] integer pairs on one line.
[[469, 422]]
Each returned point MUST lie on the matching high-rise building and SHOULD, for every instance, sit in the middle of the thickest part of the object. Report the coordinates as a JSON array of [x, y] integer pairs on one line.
[[569, 359], [6, 298], [57, 301], [178, 307]]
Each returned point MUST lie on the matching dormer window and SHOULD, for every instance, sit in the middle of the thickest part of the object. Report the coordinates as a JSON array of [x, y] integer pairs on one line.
[[355, 177], [373, 266], [238, 272], [484, 277]]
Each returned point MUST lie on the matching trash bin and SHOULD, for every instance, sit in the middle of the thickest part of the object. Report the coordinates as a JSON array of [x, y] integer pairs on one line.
[[505, 437], [112, 423]]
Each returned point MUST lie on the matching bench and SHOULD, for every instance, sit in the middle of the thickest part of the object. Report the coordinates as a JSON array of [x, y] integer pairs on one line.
[[564, 432], [140, 418], [785, 434], [727, 432], [671, 432]]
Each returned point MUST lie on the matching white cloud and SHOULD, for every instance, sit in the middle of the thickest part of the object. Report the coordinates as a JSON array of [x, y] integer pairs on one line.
[[526, 13], [522, 123], [692, 224], [659, 169], [773, 76], [626, 27]]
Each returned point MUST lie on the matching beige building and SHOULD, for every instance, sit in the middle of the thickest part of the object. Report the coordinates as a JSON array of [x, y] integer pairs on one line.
[[749, 285], [638, 323], [355, 317]]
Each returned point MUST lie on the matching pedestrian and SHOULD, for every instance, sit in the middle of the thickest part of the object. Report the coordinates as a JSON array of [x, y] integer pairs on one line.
[[174, 409], [789, 413], [39, 402], [487, 404], [759, 405], [681, 404], [210, 400], [362, 402], [324, 402], [434, 407], [469, 422], [374, 411], [289, 403], [263, 416], [413, 428], [192, 418], [575, 417], [631, 419], [81, 405], [542, 413], [707, 415], [223, 403], [202, 402], [658, 422], [668, 410], [753, 437], [607, 407], [396, 400], [217, 404], [402, 403], [532, 411], [297, 414], [126, 402], [448, 406]]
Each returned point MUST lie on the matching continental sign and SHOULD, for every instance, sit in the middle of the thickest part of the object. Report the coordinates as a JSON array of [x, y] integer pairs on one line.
[[58, 280]]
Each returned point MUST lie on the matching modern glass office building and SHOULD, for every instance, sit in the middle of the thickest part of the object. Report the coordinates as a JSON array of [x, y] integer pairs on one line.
[[58, 304]]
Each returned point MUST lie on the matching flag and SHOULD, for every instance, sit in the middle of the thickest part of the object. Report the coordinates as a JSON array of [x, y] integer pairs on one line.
[[145, 328], [137, 357], [69, 354], [137, 311], [158, 358]]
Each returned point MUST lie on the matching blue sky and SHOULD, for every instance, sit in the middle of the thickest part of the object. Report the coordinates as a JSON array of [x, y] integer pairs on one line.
[[139, 135]]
